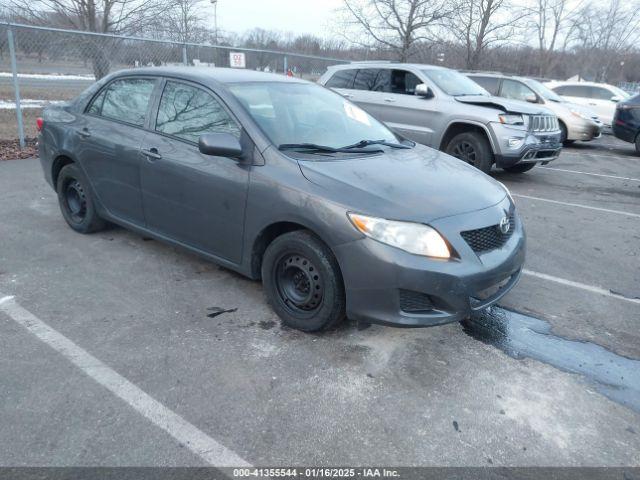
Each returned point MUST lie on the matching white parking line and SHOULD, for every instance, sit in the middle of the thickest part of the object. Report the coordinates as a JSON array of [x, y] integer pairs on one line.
[[594, 154], [593, 174], [598, 209], [184, 432], [582, 286]]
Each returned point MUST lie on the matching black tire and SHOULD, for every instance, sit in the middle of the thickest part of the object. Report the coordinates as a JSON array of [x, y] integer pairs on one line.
[[473, 148], [638, 144], [303, 283], [75, 200], [519, 168]]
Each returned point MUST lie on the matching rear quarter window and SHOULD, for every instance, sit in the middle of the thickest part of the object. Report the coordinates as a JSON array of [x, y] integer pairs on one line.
[[126, 100]]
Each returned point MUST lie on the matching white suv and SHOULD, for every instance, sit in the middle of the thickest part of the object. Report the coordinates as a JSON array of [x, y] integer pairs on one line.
[[600, 97]]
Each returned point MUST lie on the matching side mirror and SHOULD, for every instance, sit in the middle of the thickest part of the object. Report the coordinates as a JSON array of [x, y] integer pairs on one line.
[[531, 98], [220, 145], [616, 98], [422, 90]]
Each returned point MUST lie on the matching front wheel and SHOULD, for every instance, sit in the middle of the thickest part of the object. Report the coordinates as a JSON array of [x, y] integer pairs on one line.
[[303, 283], [519, 168], [638, 144], [473, 148]]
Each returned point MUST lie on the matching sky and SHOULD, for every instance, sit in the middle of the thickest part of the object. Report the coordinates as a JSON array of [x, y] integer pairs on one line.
[[296, 16]]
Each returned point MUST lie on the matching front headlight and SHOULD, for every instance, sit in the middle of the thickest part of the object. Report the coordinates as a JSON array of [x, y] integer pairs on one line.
[[511, 119], [411, 237]]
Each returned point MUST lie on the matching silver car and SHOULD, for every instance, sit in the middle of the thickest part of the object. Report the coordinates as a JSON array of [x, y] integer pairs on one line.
[[444, 109], [576, 121]]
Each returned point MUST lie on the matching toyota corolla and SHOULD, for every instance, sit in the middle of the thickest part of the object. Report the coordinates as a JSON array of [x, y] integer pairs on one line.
[[284, 180]]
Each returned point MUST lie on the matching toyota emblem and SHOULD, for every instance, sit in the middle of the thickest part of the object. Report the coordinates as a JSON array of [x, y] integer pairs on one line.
[[505, 226]]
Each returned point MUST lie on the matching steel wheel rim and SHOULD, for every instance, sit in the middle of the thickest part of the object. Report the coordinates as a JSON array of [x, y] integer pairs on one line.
[[75, 201], [299, 284]]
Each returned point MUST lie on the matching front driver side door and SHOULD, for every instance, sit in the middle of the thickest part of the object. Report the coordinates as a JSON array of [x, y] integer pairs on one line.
[[196, 199]]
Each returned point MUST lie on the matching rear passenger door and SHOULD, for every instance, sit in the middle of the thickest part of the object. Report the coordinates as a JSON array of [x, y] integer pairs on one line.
[[196, 199], [108, 144]]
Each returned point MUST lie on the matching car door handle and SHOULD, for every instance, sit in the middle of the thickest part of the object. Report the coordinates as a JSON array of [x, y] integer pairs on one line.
[[84, 133], [593, 104], [347, 95], [389, 100], [152, 154]]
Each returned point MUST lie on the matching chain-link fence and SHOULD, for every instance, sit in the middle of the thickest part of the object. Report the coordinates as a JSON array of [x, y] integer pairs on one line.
[[42, 65]]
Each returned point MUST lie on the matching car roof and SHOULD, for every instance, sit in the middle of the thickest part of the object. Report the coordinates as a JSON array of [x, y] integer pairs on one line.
[[210, 74], [383, 63], [558, 83]]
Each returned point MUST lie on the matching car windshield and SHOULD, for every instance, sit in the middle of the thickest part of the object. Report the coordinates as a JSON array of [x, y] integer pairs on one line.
[[543, 91], [454, 83], [304, 113]]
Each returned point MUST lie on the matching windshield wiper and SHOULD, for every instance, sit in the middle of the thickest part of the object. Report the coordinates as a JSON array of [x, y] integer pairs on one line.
[[314, 147], [366, 143]]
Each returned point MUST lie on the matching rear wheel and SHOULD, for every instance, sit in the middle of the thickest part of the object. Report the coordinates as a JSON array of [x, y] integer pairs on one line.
[[75, 200], [638, 144], [473, 148], [302, 282], [519, 168]]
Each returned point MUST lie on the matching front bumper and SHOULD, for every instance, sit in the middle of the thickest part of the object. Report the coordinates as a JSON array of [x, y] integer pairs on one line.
[[530, 147], [380, 279], [584, 130]]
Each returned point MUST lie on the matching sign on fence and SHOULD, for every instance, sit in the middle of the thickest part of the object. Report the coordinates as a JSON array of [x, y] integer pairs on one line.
[[237, 60]]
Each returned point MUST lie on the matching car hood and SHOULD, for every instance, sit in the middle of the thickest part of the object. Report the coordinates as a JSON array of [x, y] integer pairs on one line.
[[503, 104], [420, 185]]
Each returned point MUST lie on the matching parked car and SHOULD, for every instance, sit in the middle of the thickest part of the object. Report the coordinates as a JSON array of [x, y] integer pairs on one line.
[[576, 121], [444, 109], [281, 179], [626, 122], [600, 97]]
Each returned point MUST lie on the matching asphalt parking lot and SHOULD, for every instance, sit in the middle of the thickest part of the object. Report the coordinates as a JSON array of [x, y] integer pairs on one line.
[[108, 357]]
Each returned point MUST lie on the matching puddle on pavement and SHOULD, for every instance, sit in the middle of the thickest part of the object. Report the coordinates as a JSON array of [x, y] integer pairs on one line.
[[520, 336]]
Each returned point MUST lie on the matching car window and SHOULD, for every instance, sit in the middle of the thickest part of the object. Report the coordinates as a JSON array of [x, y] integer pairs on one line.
[[490, 84], [403, 82], [573, 90], [125, 100], [341, 79], [96, 104], [601, 93], [515, 90], [187, 112], [366, 79]]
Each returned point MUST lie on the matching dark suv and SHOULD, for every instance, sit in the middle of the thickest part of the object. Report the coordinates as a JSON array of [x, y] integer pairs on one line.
[[626, 122]]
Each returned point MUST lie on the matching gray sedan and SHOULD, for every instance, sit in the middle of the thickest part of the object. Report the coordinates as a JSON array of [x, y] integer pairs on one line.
[[284, 180]]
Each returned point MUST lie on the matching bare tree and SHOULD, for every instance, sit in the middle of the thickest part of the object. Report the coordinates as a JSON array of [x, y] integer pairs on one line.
[[100, 16], [397, 25], [482, 23], [607, 33], [183, 21], [554, 23]]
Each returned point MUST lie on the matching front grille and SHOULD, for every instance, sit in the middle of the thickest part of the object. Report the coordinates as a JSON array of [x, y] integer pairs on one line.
[[414, 302], [488, 238], [544, 123]]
